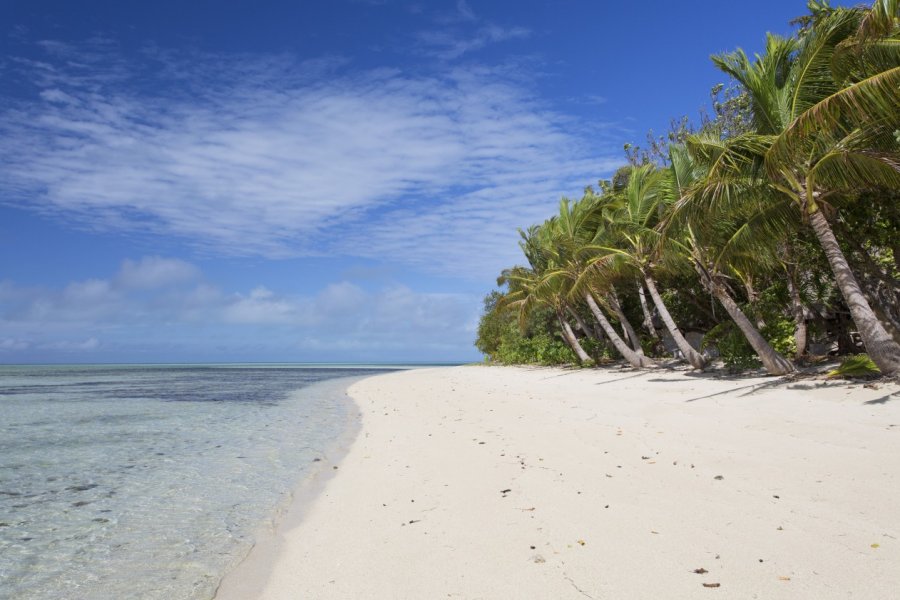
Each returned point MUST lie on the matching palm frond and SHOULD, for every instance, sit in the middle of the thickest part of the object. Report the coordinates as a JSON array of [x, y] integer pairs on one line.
[[764, 79], [872, 100], [847, 170], [810, 76], [880, 20], [753, 243], [855, 60]]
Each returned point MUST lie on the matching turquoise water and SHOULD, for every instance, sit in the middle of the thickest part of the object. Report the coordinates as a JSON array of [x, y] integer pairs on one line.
[[150, 481]]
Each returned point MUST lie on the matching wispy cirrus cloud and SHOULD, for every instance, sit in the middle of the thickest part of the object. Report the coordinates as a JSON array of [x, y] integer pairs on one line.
[[452, 44], [464, 10], [463, 32], [270, 156]]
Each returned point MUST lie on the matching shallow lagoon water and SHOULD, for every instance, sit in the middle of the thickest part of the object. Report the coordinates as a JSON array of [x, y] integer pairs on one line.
[[150, 481]]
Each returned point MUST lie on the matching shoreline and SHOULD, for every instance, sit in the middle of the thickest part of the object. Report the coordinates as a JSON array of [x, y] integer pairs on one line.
[[497, 481], [243, 578]]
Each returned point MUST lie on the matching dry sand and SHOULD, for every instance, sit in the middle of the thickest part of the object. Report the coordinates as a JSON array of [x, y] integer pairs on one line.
[[490, 482]]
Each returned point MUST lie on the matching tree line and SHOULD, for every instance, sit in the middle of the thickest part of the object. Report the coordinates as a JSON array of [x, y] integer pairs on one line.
[[763, 234]]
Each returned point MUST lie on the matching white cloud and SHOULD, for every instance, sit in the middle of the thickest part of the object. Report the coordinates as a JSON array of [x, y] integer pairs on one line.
[[155, 272], [87, 292], [89, 344], [55, 95], [340, 316], [260, 306], [274, 157], [11, 344]]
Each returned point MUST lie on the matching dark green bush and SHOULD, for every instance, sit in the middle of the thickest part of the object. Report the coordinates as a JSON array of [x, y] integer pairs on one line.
[[501, 339], [779, 331], [734, 349]]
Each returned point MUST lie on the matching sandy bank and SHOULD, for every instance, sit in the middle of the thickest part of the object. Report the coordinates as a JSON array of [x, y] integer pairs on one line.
[[475, 482]]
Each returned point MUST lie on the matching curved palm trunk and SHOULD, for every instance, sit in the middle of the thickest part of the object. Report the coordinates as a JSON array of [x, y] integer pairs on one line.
[[880, 346], [774, 363], [695, 358], [648, 319], [569, 336], [633, 358], [633, 339], [581, 324], [799, 313], [890, 324], [882, 291], [595, 331], [752, 299], [599, 335]]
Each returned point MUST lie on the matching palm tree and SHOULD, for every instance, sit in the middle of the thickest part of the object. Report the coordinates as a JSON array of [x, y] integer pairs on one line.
[[528, 288], [635, 244], [571, 232], [798, 308], [647, 322], [718, 237], [825, 111], [526, 291]]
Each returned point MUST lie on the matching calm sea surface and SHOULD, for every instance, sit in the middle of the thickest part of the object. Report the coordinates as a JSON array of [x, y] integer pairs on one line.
[[150, 481]]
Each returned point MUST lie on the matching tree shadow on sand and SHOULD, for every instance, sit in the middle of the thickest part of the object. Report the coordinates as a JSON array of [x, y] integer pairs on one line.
[[883, 399], [790, 383]]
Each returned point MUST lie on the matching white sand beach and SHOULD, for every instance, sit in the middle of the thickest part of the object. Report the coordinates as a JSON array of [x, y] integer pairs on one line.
[[495, 482]]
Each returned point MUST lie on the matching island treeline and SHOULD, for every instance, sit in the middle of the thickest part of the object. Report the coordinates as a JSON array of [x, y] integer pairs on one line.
[[764, 234]]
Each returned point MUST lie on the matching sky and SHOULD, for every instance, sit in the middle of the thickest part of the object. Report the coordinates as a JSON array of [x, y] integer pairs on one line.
[[318, 180]]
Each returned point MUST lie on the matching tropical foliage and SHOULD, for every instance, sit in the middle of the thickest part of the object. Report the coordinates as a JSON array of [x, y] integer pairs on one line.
[[765, 233], [855, 366]]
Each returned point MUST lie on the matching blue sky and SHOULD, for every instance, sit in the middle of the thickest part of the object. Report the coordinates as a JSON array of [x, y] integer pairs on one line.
[[333, 180]]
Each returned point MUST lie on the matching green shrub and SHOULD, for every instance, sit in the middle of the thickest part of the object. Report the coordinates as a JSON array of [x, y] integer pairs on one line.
[[492, 324], [502, 340], [651, 346], [540, 349], [779, 332], [596, 349], [734, 349]]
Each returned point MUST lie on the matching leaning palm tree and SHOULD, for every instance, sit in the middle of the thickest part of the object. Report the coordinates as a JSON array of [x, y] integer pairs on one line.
[[826, 118], [570, 235], [571, 230], [526, 292], [718, 238], [635, 244]]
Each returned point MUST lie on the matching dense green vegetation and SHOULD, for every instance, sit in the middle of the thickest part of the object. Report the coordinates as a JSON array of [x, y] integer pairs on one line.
[[763, 234]]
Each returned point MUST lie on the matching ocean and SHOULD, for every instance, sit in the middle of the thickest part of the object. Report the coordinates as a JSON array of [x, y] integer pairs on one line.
[[151, 481]]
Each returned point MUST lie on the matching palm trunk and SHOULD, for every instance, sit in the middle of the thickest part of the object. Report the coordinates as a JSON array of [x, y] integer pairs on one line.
[[648, 318], [891, 325], [695, 358], [599, 333], [633, 358], [774, 363], [596, 332], [581, 324], [569, 336], [799, 313], [880, 346], [881, 289], [626, 324], [752, 298]]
